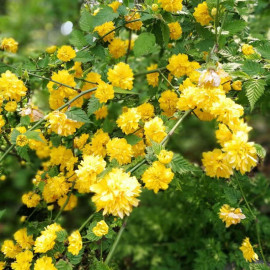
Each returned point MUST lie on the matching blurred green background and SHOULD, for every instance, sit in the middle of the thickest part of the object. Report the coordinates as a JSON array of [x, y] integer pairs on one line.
[[155, 237]]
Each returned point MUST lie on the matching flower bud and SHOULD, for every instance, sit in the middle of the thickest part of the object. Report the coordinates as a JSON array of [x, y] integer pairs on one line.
[[154, 7], [214, 12]]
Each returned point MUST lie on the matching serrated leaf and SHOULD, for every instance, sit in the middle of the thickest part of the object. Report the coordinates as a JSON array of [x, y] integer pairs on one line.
[[14, 134], [63, 265], [232, 195], [2, 212], [77, 114], [234, 26], [77, 39], [33, 135], [162, 33], [144, 44], [133, 139], [261, 152], [252, 68], [181, 165], [264, 50], [75, 259], [99, 266], [83, 57], [93, 105], [122, 91], [53, 171], [23, 152], [254, 90], [25, 120], [106, 14], [86, 21], [90, 235]]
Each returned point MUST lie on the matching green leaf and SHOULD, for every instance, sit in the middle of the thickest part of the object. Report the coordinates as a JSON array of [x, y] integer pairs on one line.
[[61, 236], [14, 134], [63, 265], [93, 105], [162, 33], [2, 212], [99, 266], [181, 165], [144, 44], [232, 195], [234, 26], [254, 90], [25, 120], [264, 50], [83, 57], [23, 152], [90, 235], [119, 90], [75, 259], [106, 14], [86, 21], [33, 135], [133, 139], [77, 39], [261, 152], [252, 68], [77, 114], [53, 171]]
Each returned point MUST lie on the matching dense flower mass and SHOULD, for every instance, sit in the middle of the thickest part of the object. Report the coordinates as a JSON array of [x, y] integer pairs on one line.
[[171, 5], [66, 53], [106, 30], [104, 92], [116, 193], [175, 30], [137, 24], [152, 78], [129, 121], [155, 130], [202, 15]]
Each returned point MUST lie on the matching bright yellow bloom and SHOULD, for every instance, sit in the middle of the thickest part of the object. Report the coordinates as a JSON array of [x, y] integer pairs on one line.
[[203, 115], [202, 15], [104, 92], [171, 5], [154, 7], [79, 142], [152, 78], [120, 150], [66, 53], [93, 79], [23, 261], [121, 76], [3, 177], [77, 70], [155, 130], [175, 30], [134, 25], [11, 87], [157, 177], [87, 172], [146, 110], [55, 188], [44, 263], [248, 251], [165, 157], [114, 5], [31, 199], [2, 122], [75, 243], [247, 49], [101, 228], [129, 121], [104, 29], [139, 148], [24, 240], [168, 102], [216, 164], [21, 140], [9, 249], [11, 106], [72, 202], [237, 85], [9, 45], [230, 215], [116, 193], [2, 265], [101, 113], [117, 48], [51, 49], [61, 125], [223, 134]]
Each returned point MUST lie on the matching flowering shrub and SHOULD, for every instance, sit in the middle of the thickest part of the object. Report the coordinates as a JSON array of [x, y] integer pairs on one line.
[[129, 78]]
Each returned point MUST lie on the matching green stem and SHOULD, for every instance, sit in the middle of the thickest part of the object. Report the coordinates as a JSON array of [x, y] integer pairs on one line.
[[137, 166], [150, 71], [86, 222], [164, 77], [116, 241], [129, 45], [255, 220]]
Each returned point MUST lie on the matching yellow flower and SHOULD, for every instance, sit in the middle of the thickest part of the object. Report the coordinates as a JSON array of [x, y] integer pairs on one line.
[[129, 121], [3, 177], [237, 85], [241, 154], [155, 130], [9, 45], [139, 148], [154, 7], [157, 177], [2, 265], [223, 134], [230, 215], [146, 110], [134, 25], [247, 49], [75, 243], [152, 78], [203, 115], [104, 92], [101, 228], [23, 239], [93, 79], [72, 202], [87, 172], [101, 113], [51, 49], [171, 5], [114, 5], [21, 140], [165, 157], [23, 261], [11, 106], [55, 187], [31, 199], [44, 263], [248, 251], [9, 249], [216, 164], [175, 30], [61, 125], [2, 122], [11, 87], [77, 70], [121, 76], [104, 29], [120, 150], [202, 15], [168, 102], [117, 48], [66, 53], [116, 193], [79, 142]]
